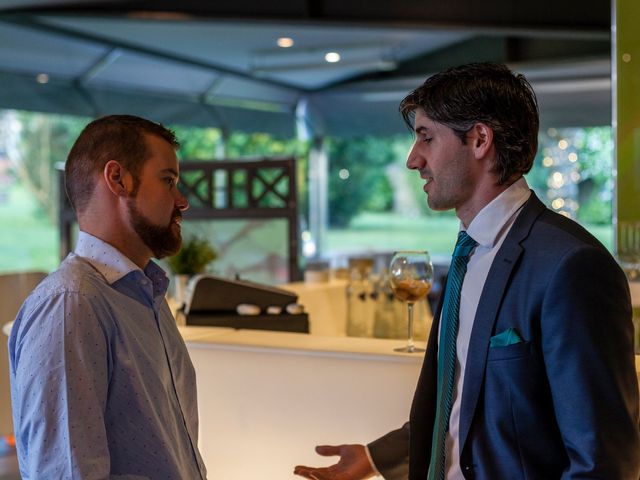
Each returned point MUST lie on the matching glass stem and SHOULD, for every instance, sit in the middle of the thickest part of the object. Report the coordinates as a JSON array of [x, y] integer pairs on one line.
[[410, 345]]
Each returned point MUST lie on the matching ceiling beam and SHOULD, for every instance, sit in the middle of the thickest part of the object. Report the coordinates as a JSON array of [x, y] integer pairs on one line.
[[576, 16]]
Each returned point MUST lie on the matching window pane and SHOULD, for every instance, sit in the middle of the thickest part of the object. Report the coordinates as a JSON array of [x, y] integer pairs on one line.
[[31, 144], [573, 175], [377, 205], [28, 238]]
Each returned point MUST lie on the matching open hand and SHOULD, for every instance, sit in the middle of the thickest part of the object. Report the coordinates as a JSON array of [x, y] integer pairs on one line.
[[354, 464]]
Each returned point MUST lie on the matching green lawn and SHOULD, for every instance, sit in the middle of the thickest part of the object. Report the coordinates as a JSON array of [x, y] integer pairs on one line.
[[379, 232]]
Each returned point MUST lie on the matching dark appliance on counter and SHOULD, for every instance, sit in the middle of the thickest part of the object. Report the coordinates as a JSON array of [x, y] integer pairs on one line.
[[214, 301]]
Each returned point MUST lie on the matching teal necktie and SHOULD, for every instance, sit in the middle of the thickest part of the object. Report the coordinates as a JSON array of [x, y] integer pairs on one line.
[[447, 352]]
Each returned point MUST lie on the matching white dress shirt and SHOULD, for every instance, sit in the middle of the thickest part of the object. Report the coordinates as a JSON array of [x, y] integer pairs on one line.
[[489, 228]]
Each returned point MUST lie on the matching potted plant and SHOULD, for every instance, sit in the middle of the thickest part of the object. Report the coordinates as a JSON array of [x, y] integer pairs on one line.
[[194, 256]]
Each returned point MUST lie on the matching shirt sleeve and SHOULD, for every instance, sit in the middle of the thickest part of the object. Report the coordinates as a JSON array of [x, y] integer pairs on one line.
[[60, 369]]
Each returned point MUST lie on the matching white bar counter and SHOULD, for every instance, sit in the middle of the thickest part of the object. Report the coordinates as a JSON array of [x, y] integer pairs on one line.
[[267, 398]]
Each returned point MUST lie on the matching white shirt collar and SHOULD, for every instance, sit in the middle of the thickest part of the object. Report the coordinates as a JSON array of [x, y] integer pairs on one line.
[[488, 225], [108, 260]]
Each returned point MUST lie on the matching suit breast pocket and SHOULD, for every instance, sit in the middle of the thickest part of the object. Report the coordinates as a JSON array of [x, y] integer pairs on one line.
[[510, 352]]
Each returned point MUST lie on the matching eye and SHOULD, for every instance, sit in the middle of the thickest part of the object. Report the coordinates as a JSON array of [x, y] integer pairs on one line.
[[427, 139], [171, 181]]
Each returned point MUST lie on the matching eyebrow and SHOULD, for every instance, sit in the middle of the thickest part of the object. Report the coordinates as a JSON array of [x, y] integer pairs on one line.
[[422, 130], [172, 171]]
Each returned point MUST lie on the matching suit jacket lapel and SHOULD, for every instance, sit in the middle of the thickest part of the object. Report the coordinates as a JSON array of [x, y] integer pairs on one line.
[[486, 315]]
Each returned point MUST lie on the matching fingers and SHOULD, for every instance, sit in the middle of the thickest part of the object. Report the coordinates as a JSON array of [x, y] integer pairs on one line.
[[314, 473], [310, 473], [329, 450], [343, 470]]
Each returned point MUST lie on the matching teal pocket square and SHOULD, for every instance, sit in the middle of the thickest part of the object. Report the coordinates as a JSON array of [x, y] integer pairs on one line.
[[509, 337]]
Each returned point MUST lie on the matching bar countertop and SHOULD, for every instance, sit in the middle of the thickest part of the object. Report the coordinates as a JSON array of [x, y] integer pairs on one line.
[[297, 343]]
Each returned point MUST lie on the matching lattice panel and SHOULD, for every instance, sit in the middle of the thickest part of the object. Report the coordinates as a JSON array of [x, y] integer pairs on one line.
[[229, 189]]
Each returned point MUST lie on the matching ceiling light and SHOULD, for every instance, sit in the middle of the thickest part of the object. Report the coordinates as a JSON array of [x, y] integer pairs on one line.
[[332, 57], [42, 78], [285, 42]]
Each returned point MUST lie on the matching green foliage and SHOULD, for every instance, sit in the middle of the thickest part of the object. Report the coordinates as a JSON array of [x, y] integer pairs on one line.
[[198, 143], [44, 141], [597, 209], [241, 144], [377, 174], [194, 256], [29, 240], [357, 177], [594, 149]]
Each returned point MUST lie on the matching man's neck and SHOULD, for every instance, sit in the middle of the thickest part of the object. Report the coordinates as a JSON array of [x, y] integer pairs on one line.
[[125, 242], [486, 194]]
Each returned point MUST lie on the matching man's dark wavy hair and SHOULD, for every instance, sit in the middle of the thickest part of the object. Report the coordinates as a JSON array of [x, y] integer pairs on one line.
[[486, 93]]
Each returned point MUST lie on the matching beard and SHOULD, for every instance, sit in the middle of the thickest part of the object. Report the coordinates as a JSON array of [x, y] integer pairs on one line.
[[163, 241]]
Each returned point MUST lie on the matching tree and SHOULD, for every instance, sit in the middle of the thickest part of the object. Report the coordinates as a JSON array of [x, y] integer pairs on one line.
[[44, 141], [357, 177], [588, 152]]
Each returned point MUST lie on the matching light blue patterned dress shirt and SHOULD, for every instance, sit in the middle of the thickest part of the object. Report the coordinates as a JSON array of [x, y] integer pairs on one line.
[[101, 382]]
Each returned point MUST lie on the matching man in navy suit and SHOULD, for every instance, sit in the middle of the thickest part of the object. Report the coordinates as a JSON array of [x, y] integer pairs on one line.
[[545, 385]]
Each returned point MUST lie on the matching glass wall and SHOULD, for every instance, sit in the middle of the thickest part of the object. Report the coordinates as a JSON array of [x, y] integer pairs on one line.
[[30, 147], [32, 144], [374, 203], [377, 205]]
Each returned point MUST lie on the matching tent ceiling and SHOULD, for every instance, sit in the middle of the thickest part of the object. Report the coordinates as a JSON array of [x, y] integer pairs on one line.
[[217, 63]]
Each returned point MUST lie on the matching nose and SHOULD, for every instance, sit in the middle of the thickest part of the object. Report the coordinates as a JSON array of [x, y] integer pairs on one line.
[[415, 161], [182, 203]]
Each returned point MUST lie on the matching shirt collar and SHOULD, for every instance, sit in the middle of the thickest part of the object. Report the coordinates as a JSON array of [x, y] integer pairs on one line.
[[489, 224], [114, 265]]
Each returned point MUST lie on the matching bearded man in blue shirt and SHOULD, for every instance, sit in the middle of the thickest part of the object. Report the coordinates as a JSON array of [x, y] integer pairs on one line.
[[101, 382]]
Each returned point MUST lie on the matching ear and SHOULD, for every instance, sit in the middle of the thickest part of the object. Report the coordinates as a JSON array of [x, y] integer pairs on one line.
[[481, 139], [115, 178]]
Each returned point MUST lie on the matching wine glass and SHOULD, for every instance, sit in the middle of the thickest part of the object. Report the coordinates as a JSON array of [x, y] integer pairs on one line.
[[410, 277]]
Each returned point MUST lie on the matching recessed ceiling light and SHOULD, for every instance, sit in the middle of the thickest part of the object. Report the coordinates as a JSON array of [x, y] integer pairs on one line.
[[332, 57], [285, 42], [42, 78]]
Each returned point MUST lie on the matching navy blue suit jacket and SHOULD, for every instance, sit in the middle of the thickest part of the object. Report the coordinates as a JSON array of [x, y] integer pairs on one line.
[[561, 404]]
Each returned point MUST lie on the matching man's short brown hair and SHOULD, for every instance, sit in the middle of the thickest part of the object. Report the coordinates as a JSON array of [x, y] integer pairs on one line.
[[115, 137]]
